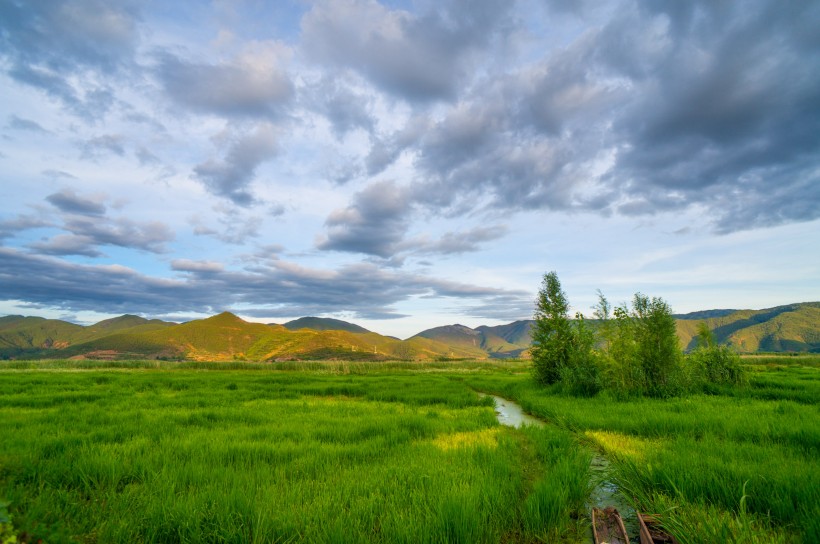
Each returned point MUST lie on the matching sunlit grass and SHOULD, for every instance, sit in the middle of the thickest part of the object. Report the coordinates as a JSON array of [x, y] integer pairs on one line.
[[182, 455]]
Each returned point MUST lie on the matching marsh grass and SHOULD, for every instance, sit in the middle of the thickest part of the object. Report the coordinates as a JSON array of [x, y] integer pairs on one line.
[[170, 453]]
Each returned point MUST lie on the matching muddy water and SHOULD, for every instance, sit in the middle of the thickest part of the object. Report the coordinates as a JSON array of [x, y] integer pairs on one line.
[[604, 491]]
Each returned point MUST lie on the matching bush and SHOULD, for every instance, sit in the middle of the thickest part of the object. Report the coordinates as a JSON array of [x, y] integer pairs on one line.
[[581, 376], [711, 363]]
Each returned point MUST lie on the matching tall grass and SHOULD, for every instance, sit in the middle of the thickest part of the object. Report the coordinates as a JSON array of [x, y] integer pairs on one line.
[[180, 455]]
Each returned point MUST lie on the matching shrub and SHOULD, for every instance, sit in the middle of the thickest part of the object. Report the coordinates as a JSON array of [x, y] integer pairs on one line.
[[711, 363]]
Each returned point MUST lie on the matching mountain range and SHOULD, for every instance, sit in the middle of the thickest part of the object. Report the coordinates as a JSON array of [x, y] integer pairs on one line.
[[794, 327]]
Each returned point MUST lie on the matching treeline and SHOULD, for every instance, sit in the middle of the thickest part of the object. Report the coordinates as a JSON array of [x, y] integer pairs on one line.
[[631, 350]]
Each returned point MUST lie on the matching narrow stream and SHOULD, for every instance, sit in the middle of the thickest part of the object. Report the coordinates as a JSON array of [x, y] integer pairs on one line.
[[604, 491]]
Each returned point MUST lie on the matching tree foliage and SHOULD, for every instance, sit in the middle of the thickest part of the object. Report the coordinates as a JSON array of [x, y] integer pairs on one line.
[[552, 335], [630, 350]]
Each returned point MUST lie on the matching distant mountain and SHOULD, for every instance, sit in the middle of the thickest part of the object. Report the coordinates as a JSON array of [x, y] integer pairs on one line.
[[218, 338], [489, 339], [323, 324], [704, 314], [793, 327]]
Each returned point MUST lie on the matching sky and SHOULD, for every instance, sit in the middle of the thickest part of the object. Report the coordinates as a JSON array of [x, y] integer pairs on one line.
[[405, 164]]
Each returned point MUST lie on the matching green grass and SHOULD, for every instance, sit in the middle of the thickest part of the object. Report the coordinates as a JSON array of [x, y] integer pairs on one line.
[[188, 454], [109, 451]]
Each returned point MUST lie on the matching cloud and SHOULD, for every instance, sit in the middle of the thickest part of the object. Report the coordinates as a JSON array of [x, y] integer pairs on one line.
[[19, 123], [86, 226], [231, 176], [98, 146], [364, 290], [199, 267], [455, 243], [417, 57], [10, 227], [254, 84], [57, 174], [374, 224], [68, 201], [47, 43], [647, 111], [67, 244], [64, 35], [345, 108]]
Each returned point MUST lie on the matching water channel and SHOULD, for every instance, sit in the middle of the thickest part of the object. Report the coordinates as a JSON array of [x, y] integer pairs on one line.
[[604, 491]]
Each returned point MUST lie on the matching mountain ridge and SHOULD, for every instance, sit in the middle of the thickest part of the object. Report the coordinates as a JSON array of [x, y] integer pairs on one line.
[[225, 336]]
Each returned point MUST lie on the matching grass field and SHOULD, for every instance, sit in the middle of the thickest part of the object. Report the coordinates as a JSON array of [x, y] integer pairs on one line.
[[392, 452], [190, 455]]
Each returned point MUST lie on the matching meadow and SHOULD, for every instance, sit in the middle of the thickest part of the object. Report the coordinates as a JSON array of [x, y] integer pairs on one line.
[[96, 451]]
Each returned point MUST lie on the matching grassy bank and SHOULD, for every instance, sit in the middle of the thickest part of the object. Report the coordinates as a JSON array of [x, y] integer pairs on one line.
[[327, 453]]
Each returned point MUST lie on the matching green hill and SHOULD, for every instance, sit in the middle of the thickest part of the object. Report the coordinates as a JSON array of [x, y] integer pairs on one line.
[[484, 338], [323, 324], [793, 327], [19, 334], [218, 338]]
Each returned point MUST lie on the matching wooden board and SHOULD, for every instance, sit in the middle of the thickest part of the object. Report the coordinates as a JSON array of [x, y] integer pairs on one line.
[[608, 527], [651, 533]]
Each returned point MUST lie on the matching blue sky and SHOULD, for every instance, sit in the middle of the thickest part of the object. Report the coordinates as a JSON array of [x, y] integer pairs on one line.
[[405, 164]]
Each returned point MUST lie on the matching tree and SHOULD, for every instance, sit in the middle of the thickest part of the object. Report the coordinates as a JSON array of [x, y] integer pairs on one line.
[[657, 344], [621, 369], [552, 333]]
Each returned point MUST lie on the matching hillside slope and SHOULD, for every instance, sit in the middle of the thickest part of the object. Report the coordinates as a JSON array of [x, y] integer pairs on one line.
[[793, 327], [323, 324]]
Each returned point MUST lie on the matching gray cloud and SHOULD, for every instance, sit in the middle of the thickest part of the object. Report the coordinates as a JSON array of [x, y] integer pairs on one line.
[[417, 57], [345, 108], [102, 145], [364, 290], [231, 176], [45, 43], [377, 221], [68, 201], [10, 227], [455, 243], [86, 226], [374, 224], [69, 34], [19, 123], [57, 174], [254, 84], [198, 267], [150, 236], [86, 233], [234, 228], [67, 244], [657, 109]]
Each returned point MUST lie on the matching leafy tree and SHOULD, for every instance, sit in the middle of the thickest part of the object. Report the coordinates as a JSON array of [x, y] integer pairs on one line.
[[581, 375], [618, 356], [657, 346], [552, 333]]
